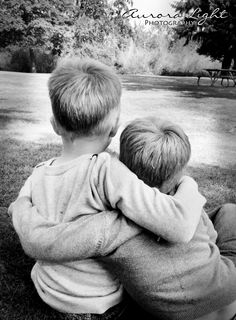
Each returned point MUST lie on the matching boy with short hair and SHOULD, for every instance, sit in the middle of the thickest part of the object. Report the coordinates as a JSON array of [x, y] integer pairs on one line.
[[171, 281], [86, 181], [191, 280]]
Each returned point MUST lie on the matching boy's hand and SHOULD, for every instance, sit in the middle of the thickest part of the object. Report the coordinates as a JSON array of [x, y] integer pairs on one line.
[[188, 193], [189, 180], [19, 205], [189, 185]]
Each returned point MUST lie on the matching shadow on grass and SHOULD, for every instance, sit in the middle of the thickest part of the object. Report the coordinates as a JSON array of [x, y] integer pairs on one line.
[[180, 85], [8, 116], [8, 110]]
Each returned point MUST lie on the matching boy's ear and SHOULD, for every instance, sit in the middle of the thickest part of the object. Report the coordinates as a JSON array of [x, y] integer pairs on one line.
[[113, 131], [115, 127], [57, 128]]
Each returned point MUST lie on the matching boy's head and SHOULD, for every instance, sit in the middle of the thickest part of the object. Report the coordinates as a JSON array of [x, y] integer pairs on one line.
[[85, 97], [156, 151]]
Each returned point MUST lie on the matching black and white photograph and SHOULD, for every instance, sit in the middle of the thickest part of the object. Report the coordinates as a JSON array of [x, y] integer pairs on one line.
[[117, 159]]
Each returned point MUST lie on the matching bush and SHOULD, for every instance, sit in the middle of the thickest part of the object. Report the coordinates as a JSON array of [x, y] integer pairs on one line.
[[5, 61], [158, 52], [183, 60], [155, 51], [20, 60], [106, 52], [44, 62], [135, 59]]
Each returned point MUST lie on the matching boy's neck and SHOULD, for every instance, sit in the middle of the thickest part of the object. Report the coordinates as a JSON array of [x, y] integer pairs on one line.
[[77, 147]]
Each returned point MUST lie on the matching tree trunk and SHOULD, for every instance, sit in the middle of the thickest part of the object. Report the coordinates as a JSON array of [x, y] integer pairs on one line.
[[234, 58], [32, 60], [234, 65], [226, 63]]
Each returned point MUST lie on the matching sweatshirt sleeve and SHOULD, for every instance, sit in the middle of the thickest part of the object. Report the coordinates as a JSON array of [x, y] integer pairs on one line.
[[174, 218], [210, 227], [26, 189], [87, 236]]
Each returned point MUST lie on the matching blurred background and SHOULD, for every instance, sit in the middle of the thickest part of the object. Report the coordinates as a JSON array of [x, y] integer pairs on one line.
[[34, 34]]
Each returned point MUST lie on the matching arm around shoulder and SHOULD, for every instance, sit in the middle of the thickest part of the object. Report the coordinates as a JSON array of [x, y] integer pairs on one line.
[[42, 239], [174, 218]]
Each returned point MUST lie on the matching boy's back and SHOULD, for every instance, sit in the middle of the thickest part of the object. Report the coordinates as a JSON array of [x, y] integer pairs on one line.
[[63, 193]]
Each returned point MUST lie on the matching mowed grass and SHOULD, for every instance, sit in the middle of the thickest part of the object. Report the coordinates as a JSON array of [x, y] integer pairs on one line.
[[207, 114]]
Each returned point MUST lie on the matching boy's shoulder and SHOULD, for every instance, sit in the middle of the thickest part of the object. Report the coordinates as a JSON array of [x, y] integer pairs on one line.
[[45, 163], [112, 153], [107, 164], [41, 165], [101, 159], [107, 158]]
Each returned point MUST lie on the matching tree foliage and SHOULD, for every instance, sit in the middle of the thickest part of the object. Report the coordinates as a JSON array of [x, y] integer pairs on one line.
[[216, 35], [59, 27], [96, 19], [32, 23]]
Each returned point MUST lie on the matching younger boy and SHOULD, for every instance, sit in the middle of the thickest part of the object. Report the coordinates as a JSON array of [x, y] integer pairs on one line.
[[183, 281], [84, 182]]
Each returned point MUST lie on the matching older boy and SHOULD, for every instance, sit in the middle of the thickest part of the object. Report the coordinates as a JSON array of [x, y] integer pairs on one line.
[[85, 181], [171, 281]]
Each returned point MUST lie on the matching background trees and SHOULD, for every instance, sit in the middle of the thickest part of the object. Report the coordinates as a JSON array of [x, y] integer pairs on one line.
[[57, 27], [34, 24], [37, 31], [217, 37], [34, 33]]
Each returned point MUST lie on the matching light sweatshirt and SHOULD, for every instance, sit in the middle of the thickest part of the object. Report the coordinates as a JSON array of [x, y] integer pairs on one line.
[[84, 187], [171, 281]]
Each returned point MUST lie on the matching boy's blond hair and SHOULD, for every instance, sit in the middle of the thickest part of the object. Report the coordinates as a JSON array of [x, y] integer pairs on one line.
[[82, 93], [156, 151]]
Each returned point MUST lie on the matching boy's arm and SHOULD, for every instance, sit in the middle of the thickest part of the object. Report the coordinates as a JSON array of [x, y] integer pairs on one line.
[[88, 236], [174, 218], [210, 227], [26, 189]]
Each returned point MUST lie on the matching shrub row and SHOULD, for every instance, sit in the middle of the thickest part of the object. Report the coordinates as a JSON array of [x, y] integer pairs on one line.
[[162, 56], [20, 60]]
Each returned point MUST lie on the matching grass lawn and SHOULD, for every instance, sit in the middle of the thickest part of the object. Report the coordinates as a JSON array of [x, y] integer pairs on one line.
[[207, 114]]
